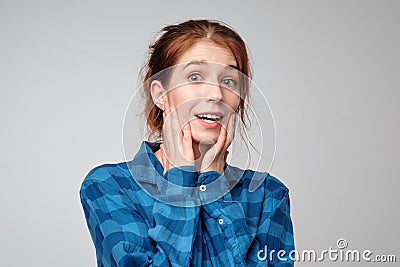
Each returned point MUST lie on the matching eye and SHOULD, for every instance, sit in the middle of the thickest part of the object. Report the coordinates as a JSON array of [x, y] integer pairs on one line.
[[195, 77], [229, 82]]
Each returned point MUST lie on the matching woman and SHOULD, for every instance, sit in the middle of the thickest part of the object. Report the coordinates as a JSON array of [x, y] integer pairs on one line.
[[178, 202]]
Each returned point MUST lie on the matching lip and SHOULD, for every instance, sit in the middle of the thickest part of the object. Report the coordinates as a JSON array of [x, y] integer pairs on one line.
[[215, 124], [220, 114], [207, 125]]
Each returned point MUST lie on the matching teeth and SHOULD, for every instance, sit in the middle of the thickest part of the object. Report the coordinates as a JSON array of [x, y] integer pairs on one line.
[[210, 117]]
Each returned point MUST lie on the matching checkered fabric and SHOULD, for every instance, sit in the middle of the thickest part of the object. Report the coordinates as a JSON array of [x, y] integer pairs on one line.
[[139, 217]]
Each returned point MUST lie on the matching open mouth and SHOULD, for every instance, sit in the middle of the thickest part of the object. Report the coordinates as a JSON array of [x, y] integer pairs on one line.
[[210, 118]]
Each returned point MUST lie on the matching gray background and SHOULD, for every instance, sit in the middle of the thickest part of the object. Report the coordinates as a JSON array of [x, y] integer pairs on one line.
[[330, 70]]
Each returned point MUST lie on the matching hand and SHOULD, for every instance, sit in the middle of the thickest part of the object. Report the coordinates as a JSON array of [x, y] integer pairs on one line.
[[215, 157], [177, 147]]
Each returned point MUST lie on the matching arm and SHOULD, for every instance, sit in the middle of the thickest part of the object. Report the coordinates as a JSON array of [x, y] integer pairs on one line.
[[124, 237], [275, 230]]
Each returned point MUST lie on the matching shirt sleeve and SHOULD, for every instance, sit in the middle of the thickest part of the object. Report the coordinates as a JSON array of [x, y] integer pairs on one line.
[[275, 230], [123, 237]]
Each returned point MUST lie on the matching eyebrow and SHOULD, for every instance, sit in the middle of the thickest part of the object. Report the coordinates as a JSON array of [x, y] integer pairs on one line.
[[203, 62]]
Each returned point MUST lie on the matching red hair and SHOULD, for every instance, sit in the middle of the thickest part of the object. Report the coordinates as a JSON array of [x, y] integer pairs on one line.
[[174, 41]]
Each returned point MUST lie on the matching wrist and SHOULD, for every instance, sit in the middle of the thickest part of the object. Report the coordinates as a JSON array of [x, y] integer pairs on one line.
[[214, 167]]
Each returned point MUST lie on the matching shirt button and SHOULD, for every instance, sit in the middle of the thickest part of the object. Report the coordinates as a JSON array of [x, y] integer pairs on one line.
[[203, 187], [221, 221]]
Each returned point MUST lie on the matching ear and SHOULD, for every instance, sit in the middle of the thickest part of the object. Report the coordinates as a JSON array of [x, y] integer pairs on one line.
[[158, 93]]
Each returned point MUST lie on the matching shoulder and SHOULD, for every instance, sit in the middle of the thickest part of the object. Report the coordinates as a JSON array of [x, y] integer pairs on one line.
[[255, 180], [112, 174], [259, 182], [273, 184]]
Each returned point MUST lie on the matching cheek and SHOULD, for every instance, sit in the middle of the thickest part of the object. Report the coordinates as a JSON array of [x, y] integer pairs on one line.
[[232, 100], [181, 95]]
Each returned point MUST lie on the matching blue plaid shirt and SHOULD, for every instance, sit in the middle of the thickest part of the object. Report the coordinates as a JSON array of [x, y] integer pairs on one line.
[[139, 217]]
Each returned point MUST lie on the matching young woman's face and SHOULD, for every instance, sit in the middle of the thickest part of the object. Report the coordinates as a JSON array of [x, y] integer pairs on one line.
[[204, 82]]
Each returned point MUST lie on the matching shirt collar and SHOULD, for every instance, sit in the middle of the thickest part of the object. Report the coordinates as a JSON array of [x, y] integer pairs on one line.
[[146, 168]]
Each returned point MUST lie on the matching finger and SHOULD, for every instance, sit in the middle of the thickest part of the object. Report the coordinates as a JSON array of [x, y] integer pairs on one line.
[[230, 130], [221, 140], [177, 129], [187, 140], [187, 133], [166, 108], [168, 137], [167, 127], [226, 134], [175, 125]]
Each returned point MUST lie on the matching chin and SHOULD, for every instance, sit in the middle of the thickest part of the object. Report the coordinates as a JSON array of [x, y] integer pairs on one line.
[[208, 136], [205, 139]]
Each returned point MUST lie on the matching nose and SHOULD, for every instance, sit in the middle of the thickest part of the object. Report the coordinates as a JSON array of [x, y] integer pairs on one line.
[[214, 92]]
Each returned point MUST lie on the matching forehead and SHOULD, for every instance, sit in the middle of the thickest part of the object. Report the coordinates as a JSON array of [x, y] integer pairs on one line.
[[208, 51]]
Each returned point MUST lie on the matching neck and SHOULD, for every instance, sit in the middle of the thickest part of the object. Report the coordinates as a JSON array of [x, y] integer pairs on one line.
[[199, 150], [196, 150]]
